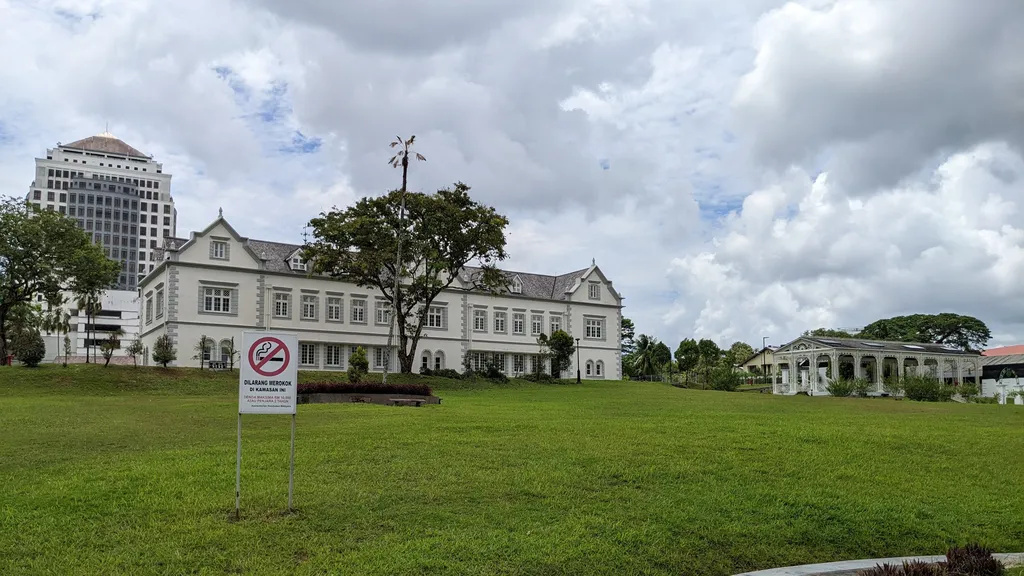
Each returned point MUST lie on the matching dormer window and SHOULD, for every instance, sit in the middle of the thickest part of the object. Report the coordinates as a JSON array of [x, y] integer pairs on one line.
[[219, 250], [297, 263], [517, 285]]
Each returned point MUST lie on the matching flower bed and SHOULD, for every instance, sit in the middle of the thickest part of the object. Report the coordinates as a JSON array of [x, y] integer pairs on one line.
[[363, 388]]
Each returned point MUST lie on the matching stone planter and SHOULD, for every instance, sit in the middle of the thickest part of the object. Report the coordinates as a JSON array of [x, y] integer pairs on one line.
[[383, 399]]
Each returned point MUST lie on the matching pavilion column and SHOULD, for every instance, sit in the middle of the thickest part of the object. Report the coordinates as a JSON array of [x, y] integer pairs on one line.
[[857, 359], [959, 368], [977, 373], [835, 365], [879, 372]]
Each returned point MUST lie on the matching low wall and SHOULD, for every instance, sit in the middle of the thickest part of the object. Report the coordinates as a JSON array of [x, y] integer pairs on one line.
[[384, 399], [851, 567]]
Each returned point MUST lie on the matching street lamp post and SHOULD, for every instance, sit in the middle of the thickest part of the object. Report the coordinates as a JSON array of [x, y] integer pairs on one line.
[[578, 361], [764, 372]]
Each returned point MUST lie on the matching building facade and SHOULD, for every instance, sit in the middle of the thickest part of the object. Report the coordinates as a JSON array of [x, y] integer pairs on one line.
[[118, 311], [807, 364], [118, 195], [219, 284]]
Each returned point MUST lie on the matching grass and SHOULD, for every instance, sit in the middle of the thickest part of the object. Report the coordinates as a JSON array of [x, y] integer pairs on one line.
[[125, 471]]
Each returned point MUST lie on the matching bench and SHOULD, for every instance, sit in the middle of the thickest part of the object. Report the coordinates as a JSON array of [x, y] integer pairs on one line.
[[217, 365], [406, 401]]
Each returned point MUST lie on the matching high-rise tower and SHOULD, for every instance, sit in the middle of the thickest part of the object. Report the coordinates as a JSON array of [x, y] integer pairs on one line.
[[117, 194]]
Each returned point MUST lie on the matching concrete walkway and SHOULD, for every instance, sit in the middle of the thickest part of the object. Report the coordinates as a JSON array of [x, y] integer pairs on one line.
[[851, 567]]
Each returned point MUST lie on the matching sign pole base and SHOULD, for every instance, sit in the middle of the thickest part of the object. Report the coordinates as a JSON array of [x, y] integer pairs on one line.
[[291, 468], [238, 470]]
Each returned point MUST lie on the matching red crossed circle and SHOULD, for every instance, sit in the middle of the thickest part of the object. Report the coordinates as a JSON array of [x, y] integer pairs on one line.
[[276, 347]]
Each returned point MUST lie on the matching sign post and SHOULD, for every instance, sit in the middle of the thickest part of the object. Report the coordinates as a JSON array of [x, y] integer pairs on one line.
[[267, 384]]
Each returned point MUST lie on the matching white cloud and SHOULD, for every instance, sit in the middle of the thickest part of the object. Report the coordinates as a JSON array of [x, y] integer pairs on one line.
[[738, 169]]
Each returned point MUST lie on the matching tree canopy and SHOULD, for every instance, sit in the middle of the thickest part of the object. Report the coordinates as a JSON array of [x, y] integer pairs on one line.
[[441, 234], [828, 333], [963, 332], [44, 253], [628, 333], [738, 352], [687, 355]]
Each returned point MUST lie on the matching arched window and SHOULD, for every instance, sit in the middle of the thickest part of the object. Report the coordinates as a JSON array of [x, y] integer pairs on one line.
[[439, 360], [599, 369], [208, 350], [590, 368], [225, 350], [425, 360]]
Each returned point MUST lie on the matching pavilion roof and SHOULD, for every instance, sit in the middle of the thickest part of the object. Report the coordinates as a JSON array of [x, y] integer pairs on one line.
[[861, 344]]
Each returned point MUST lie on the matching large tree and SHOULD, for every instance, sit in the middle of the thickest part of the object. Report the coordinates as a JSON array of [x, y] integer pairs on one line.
[[628, 333], [738, 352], [963, 332], [710, 356], [828, 333], [44, 253], [644, 359], [687, 356], [442, 233]]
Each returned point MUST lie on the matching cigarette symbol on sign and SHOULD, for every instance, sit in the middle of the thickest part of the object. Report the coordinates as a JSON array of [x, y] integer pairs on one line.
[[262, 352]]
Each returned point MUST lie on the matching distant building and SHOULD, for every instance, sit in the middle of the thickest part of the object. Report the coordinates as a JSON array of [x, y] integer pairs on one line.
[[119, 196], [761, 362], [807, 363], [1002, 366], [122, 198], [219, 284], [119, 309]]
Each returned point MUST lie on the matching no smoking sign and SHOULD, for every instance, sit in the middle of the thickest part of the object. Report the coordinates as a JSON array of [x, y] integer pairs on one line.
[[268, 380]]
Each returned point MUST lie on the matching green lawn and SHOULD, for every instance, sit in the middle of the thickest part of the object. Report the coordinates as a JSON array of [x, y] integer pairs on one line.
[[125, 471]]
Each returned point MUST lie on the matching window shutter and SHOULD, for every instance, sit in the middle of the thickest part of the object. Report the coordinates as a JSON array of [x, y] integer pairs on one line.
[[288, 299], [227, 251], [234, 302], [212, 243], [316, 309], [201, 300], [444, 318]]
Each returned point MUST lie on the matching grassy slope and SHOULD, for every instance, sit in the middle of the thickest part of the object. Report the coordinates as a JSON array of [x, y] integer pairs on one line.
[[132, 471]]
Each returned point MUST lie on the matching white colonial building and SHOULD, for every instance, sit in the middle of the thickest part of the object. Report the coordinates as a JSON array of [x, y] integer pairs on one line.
[[808, 363], [220, 284]]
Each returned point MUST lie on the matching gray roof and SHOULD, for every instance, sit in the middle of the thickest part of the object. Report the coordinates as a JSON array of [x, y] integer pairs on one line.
[[1005, 360], [886, 346], [539, 286]]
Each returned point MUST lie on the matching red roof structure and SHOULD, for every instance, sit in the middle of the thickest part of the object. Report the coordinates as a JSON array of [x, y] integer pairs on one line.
[[1004, 350]]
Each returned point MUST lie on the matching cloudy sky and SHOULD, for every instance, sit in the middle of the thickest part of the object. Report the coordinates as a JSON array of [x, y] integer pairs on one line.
[[739, 169]]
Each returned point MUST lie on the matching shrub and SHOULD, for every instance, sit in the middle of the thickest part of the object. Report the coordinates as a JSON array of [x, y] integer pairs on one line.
[[426, 371], [926, 389], [363, 388], [725, 379], [30, 349], [163, 351], [840, 387], [358, 365], [493, 373], [539, 377], [971, 560], [968, 390], [447, 373], [862, 387], [892, 386]]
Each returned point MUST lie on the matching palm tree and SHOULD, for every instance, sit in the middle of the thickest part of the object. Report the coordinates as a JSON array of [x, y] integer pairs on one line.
[[644, 361], [91, 305], [57, 319], [399, 159]]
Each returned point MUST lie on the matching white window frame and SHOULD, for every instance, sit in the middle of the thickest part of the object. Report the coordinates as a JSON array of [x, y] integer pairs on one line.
[[479, 320], [214, 297], [219, 249], [518, 364], [519, 323], [309, 305], [589, 368], [335, 309], [439, 360], [556, 323], [149, 310], [594, 328], [310, 348], [425, 359], [500, 322], [382, 312], [599, 368], [159, 304], [282, 302], [500, 359], [594, 291], [435, 317], [297, 263], [536, 324], [517, 286], [334, 356], [359, 310], [380, 357]]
